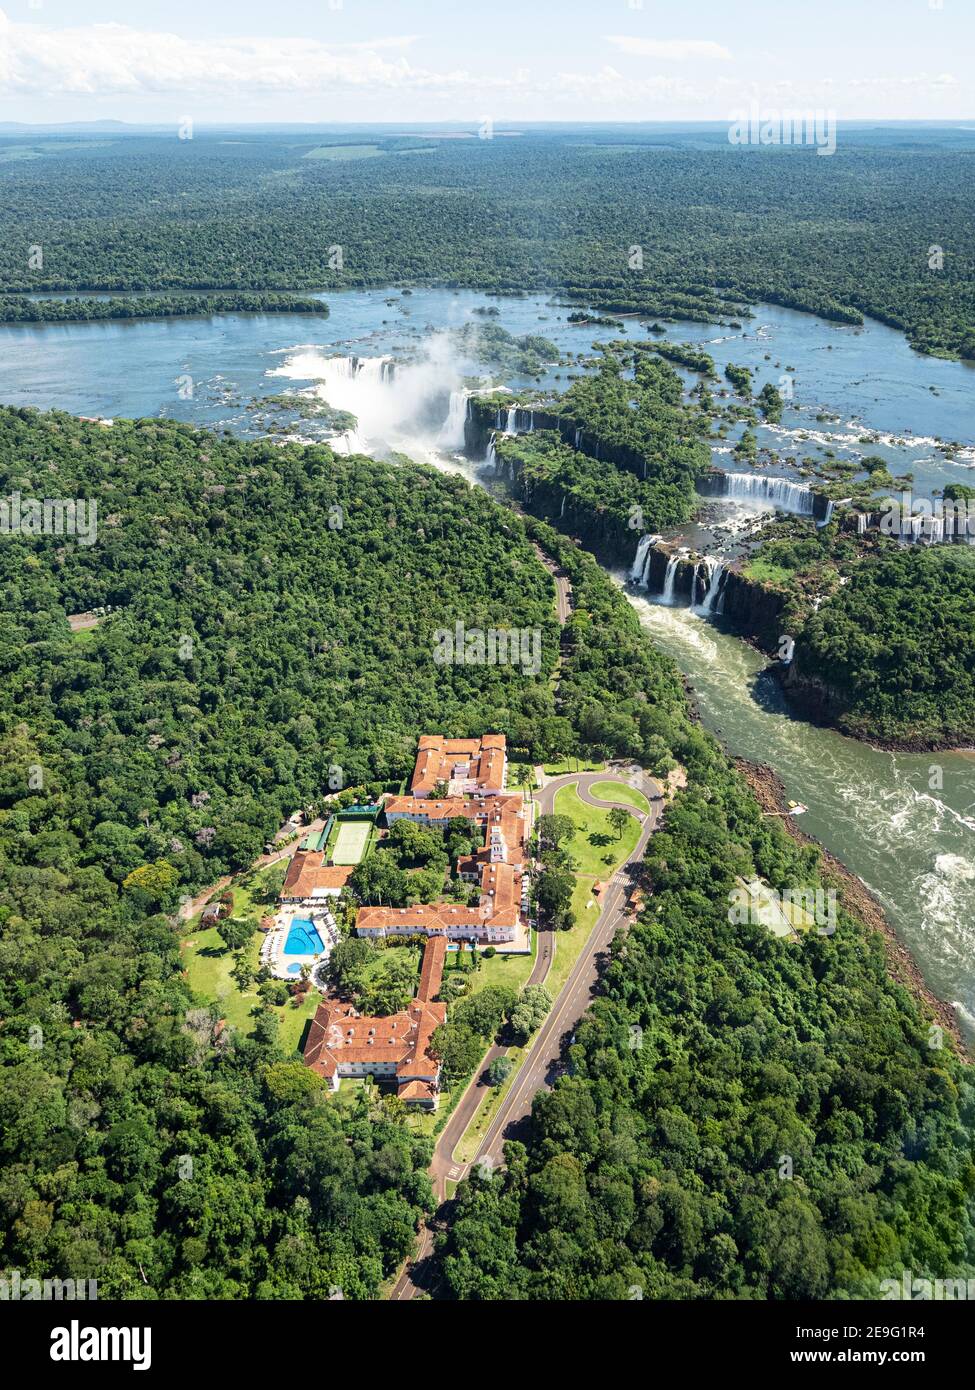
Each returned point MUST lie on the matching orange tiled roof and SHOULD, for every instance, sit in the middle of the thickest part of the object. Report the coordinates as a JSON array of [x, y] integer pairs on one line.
[[431, 973], [338, 1034], [478, 760], [473, 807], [308, 872]]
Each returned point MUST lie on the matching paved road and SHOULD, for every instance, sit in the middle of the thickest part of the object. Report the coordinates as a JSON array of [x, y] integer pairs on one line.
[[540, 1069], [563, 589]]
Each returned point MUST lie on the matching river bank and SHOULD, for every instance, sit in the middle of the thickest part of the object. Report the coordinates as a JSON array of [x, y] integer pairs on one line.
[[857, 898]]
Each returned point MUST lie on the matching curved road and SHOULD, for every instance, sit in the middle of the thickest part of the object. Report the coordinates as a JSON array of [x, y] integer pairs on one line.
[[540, 1068]]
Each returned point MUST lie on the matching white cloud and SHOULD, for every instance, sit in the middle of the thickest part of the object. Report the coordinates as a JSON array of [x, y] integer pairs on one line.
[[674, 50], [89, 70], [114, 59]]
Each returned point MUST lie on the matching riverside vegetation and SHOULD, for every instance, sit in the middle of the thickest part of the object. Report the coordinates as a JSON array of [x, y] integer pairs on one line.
[[664, 223], [272, 616]]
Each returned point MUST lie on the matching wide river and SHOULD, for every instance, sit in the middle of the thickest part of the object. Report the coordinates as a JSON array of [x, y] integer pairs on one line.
[[905, 823]]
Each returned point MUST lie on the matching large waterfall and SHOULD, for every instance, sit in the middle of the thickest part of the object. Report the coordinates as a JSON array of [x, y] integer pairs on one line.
[[398, 406], [638, 572], [451, 434], [713, 600], [667, 596], [769, 492]]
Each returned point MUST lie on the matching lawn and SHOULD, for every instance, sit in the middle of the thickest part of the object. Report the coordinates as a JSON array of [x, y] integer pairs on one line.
[[619, 791], [465, 1150], [381, 960], [509, 970], [573, 765], [208, 964], [594, 837]]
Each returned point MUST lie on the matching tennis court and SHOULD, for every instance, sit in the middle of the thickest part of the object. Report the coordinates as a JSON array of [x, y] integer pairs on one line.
[[351, 839]]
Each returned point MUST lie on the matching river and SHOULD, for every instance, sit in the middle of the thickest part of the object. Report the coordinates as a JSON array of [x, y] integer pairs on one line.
[[905, 823]]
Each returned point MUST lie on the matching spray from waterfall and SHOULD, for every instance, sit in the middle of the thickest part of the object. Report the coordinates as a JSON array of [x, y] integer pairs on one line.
[[451, 434]]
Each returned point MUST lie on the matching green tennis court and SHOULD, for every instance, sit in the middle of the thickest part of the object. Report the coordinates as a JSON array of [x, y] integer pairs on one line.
[[350, 841]]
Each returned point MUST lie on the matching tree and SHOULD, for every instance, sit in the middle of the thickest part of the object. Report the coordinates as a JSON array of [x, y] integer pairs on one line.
[[553, 829], [458, 1048], [619, 820], [156, 880], [499, 1069], [485, 1011], [530, 1011], [235, 932], [553, 890]]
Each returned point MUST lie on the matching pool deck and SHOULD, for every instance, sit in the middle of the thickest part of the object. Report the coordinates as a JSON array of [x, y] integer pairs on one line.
[[273, 954]]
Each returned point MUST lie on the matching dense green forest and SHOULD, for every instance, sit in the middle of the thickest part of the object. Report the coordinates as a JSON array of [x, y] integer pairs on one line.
[[626, 455], [895, 647], [19, 309], [663, 224], [742, 1117], [272, 617]]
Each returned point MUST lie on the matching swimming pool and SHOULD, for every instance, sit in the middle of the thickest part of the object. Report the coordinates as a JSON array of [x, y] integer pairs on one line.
[[303, 938]]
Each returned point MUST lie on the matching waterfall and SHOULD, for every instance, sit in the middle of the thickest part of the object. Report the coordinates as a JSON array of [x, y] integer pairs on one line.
[[829, 513], [579, 437], [562, 512], [451, 434], [512, 426], [667, 596], [717, 574], [490, 457], [638, 569], [777, 492], [863, 520], [697, 566]]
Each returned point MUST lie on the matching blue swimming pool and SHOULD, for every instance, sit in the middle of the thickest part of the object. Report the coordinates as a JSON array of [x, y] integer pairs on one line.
[[303, 938]]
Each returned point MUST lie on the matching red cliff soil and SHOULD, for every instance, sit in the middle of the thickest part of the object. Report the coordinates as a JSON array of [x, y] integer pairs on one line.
[[858, 900]]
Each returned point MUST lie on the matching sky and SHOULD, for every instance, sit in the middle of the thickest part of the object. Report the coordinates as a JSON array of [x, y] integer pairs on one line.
[[469, 60]]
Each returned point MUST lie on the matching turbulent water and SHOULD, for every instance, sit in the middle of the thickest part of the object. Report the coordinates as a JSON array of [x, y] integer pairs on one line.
[[904, 823]]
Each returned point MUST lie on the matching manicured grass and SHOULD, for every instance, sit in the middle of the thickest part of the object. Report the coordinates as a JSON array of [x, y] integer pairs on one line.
[[513, 772], [573, 765], [569, 944], [208, 964], [619, 791], [473, 1136], [381, 960], [508, 970], [594, 837]]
